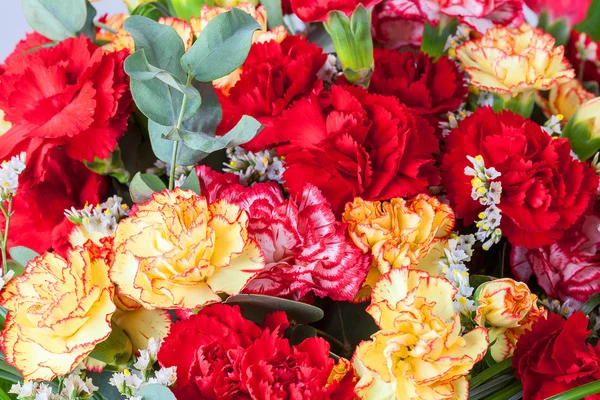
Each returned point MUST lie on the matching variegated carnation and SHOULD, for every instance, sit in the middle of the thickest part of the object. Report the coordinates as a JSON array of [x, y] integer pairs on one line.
[[510, 61], [418, 353], [59, 309], [399, 233], [565, 99], [507, 308], [178, 251]]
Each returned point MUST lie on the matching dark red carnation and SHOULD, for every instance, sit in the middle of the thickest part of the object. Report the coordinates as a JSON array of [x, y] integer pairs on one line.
[[39, 221], [352, 143], [317, 10], [544, 189], [306, 249], [32, 42], [582, 47], [221, 355], [568, 269], [274, 76], [71, 95], [553, 357], [429, 88], [574, 11]]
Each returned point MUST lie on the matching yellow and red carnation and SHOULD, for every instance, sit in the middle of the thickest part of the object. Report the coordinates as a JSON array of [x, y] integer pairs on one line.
[[418, 353], [59, 309], [399, 233], [178, 251], [508, 309], [510, 61], [565, 99]]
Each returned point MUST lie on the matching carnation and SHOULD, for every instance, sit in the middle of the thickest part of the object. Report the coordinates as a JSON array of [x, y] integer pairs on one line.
[[227, 356], [542, 364], [569, 268], [274, 76], [70, 95], [317, 10], [398, 23], [355, 144], [427, 87], [581, 49], [306, 249], [574, 11], [544, 190]]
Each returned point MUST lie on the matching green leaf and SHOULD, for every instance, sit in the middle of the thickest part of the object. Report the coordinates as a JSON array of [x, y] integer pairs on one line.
[[89, 29], [274, 13], [57, 20], [156, 392], [143, 186], [115, 350], [152, 9], [591, 25], [485, 390], [477, 280], [580, 136], [222, 46], [591, 304], [560, 30], [245, 130], [138, 67], [3, 395], [434, 38], [514, 391], [579, 392], [22, 255], [493, 371], [192, 182], [256, 306], [163, 148]]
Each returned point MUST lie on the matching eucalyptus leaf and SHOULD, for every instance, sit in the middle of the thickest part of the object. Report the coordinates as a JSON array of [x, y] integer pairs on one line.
[[156, 392], [22, 255], [163, 148], [57, 20], [274, 13], [138, 67], [192, 182], [591, 24], [143, 186], [257, 306], [89, 29], [222, 46], [245, 130]]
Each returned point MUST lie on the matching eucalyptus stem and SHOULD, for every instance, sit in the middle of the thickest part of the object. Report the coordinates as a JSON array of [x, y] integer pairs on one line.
[[178, 126], [105, 27], [4, 243]]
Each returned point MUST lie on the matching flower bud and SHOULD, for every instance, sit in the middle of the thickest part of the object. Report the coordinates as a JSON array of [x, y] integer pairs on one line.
[[353, 43], [583, 130]]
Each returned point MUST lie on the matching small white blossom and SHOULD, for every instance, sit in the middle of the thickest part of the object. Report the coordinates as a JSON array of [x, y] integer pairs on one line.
[[252, 167], [453, 119], [153, 347], [586, 52], [9, 175], [75, 387], [165, 376], [452, 266], [552, 126], [329, 69], [118, 381], [102, 218], [143, 361]]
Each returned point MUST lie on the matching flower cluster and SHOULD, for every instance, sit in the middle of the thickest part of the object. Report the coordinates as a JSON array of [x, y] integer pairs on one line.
[[251, 167], [452, 266]]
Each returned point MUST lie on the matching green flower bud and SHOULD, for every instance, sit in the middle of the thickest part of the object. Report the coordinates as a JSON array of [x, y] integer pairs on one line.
[[583, 130]]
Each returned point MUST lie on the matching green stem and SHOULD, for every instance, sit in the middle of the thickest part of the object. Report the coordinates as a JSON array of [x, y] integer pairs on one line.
[[579, 392], [105, 27], [4, 244], [332, 339], [494, 370], [178, 126]]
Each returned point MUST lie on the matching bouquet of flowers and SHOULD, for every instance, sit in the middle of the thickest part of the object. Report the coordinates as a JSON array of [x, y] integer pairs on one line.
[[305, 199]]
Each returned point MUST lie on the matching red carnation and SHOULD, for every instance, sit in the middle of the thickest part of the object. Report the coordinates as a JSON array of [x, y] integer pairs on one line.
[[544, 190], [568, 269], [582, 47], [352, 143], [38, 221], [429, 88], [574, 11], [70, 95], [221, 355], [317, 10], [398, 23], [33, 41], [306, 249], [553, 357], [274, 76]]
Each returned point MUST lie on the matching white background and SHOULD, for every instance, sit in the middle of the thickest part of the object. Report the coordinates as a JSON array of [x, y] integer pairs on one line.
[[13, 25]]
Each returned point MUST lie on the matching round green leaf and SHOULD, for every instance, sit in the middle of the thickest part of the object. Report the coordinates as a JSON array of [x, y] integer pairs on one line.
[[57, 20], [163, 148], [156, 392], [222, 46], [143, 186], [256, 306], [22, 255]]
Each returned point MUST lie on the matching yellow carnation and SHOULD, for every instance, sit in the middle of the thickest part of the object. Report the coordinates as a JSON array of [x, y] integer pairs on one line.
[[177, 251], [565, 99], [399, 233], [510, 61], [507, 308], [59, 309], [418, 353], [258, 13]]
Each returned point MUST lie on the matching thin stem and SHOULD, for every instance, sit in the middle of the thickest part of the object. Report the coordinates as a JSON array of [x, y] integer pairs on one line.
[[332, 339], [4, 244], [178, 126], [346, 343], [105, 27]]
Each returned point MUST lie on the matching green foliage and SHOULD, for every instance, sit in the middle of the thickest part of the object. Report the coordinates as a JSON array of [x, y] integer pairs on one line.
[[579, 392], [274, 13], [192, 182], [591, 304], [22, 255], [560, 29], [256, 306], [591, 25], [222, 46], [115, 350], [156, 392], [245, 130], [154, 9], [580, 136], [435, 37], [57, 20], [143, 186]]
